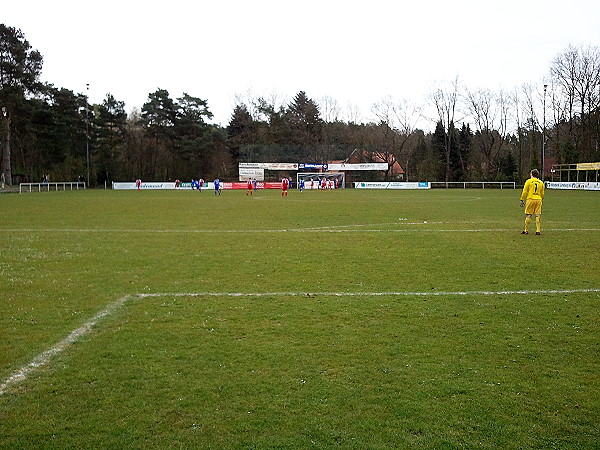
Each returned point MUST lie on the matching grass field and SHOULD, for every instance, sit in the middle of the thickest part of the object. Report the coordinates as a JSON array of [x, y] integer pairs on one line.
[[346, 319]]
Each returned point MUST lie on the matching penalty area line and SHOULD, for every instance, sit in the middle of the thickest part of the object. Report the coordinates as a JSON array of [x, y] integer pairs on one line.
[[367, 294], [46, 356]]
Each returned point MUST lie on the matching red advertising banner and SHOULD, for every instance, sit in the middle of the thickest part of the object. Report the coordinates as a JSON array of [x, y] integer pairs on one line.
[[244, 185]]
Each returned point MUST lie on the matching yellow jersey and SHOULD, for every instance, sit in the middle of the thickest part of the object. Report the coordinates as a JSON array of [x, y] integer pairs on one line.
[[533, 189]]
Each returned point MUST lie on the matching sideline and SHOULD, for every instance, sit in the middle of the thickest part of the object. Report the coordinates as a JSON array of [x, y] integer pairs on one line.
[[46, 356]]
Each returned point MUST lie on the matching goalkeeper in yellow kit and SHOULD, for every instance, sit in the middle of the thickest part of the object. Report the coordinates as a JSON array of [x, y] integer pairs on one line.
[[531, 198]]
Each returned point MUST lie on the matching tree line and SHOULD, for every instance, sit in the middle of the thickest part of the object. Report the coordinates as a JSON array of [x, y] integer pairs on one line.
[[479, 134]]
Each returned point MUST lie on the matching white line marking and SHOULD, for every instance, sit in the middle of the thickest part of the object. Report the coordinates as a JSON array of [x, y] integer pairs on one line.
[[371, 294], [333, 229], [44, 358]]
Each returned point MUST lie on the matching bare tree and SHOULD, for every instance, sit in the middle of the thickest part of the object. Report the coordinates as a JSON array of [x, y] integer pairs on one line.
[[576, 76], [257, 105], [564, 72], [383, 110], [518, 116], [489, 112], [557, 110], [397, 121], [445, 102], [586, 90], [248, 99], [408, 116], [531, 119], [353, 114], [588, 80], [329, 108]]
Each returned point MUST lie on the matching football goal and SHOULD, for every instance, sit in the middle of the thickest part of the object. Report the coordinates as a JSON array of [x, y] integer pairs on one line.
[[321, 180], [58, 186]]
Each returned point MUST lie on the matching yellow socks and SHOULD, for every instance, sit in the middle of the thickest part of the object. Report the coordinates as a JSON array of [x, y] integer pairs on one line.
[[527, 222], [537, 223]]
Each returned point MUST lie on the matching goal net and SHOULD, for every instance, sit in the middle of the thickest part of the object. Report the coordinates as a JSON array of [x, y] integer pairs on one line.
[[323, 180]]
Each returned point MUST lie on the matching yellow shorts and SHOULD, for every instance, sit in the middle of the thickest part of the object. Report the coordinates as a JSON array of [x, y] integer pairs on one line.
[[533, 206]]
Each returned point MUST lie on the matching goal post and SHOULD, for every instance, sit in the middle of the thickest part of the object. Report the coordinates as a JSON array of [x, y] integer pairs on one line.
[[321, 180]]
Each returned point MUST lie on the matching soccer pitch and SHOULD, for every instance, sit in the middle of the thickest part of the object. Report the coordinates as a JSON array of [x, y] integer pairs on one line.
[[338, 319]]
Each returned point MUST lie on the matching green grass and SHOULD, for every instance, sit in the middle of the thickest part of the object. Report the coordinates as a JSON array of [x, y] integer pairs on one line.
[[473, 366]]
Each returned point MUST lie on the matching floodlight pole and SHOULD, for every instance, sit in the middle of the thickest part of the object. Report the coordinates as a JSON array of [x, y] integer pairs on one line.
[[87, 133], [544, 133]]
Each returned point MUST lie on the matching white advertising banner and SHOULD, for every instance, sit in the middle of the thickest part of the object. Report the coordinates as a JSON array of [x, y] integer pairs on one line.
[[329, 167], [145, 185], [364, 166], [254, 173], [392, 185], [281, 166], [269, 166], [586, 186]]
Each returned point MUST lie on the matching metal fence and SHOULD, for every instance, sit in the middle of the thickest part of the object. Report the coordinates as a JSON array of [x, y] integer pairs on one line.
[[58, 186]]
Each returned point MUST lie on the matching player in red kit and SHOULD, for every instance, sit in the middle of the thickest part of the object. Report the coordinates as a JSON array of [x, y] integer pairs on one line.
[[285, 183], [249, 187]]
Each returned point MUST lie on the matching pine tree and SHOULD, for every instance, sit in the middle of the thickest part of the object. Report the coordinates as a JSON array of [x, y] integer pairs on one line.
[[20, 68], [438, 143], [304, 122], [240, 131]]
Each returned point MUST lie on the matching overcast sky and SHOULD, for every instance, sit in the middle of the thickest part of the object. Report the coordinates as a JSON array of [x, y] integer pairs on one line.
[[356, 52]]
